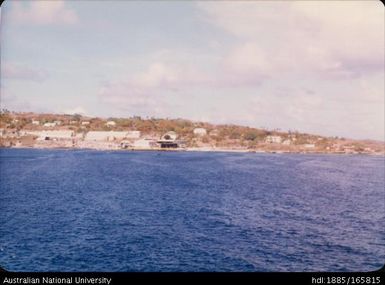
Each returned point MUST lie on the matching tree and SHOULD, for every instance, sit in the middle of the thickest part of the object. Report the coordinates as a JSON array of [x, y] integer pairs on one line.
[[250, 135]]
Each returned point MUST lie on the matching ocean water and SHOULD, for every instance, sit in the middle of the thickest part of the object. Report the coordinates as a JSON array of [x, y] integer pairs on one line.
[[83, 210]]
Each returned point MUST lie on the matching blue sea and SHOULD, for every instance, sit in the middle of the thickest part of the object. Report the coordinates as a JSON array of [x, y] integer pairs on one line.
[[84, 210]]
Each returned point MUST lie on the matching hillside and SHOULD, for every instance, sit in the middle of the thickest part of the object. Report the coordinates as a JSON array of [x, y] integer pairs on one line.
[[207, 135]]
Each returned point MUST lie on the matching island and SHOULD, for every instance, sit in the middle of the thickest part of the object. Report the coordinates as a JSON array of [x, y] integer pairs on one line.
[[75, 131]]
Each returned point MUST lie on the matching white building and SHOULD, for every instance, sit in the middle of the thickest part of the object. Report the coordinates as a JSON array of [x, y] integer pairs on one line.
[[110, 124], [35, 122], [133, 135], [58, 123], [309, 145], [104, 136], [51, 135], [85, 123], [97, 136], [118, 135], [144, 143], [73, 122], [200, 131], [273, 139], [50, 125]]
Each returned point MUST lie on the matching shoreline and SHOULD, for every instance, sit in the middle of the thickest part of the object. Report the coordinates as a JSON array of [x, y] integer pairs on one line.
[[214, 150]]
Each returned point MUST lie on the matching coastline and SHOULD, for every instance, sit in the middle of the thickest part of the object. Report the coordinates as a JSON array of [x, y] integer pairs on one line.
[[195, 149]]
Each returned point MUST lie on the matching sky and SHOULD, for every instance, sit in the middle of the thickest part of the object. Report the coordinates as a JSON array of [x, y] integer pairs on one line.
[[310, 66]]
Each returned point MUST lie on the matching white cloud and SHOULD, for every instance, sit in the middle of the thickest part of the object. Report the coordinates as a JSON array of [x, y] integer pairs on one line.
[[248, 58], [158, 74], [42, 12], [331, 39]]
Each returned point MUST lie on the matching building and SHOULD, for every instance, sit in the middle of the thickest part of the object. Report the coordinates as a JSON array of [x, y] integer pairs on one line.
[[133, 135], [144, 143], [200, 131], [97, 136], [58, 123], [105, 136], [168, 144], [35, 122], [309, 145], [50, 125], [118, 135], [85, 123], [52, 135], [168, 140], [273, 139], [110, 124]]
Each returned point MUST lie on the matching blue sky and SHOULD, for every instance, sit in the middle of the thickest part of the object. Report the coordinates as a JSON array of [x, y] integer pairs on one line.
[[310, 66]]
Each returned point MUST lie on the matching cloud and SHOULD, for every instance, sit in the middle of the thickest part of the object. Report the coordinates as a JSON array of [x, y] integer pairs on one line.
[[357, 114], [302, 37], [139, 98], [42, 12], [157, 75], [21, 72]]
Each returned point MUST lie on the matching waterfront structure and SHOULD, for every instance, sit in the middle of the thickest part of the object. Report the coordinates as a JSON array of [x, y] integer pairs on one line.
[[144, 143], [168, 140], [97, 136], [52, 135], [105, 136]]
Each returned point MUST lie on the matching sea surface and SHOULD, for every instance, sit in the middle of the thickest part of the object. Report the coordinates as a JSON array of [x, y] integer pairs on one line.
[[84, 210]]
